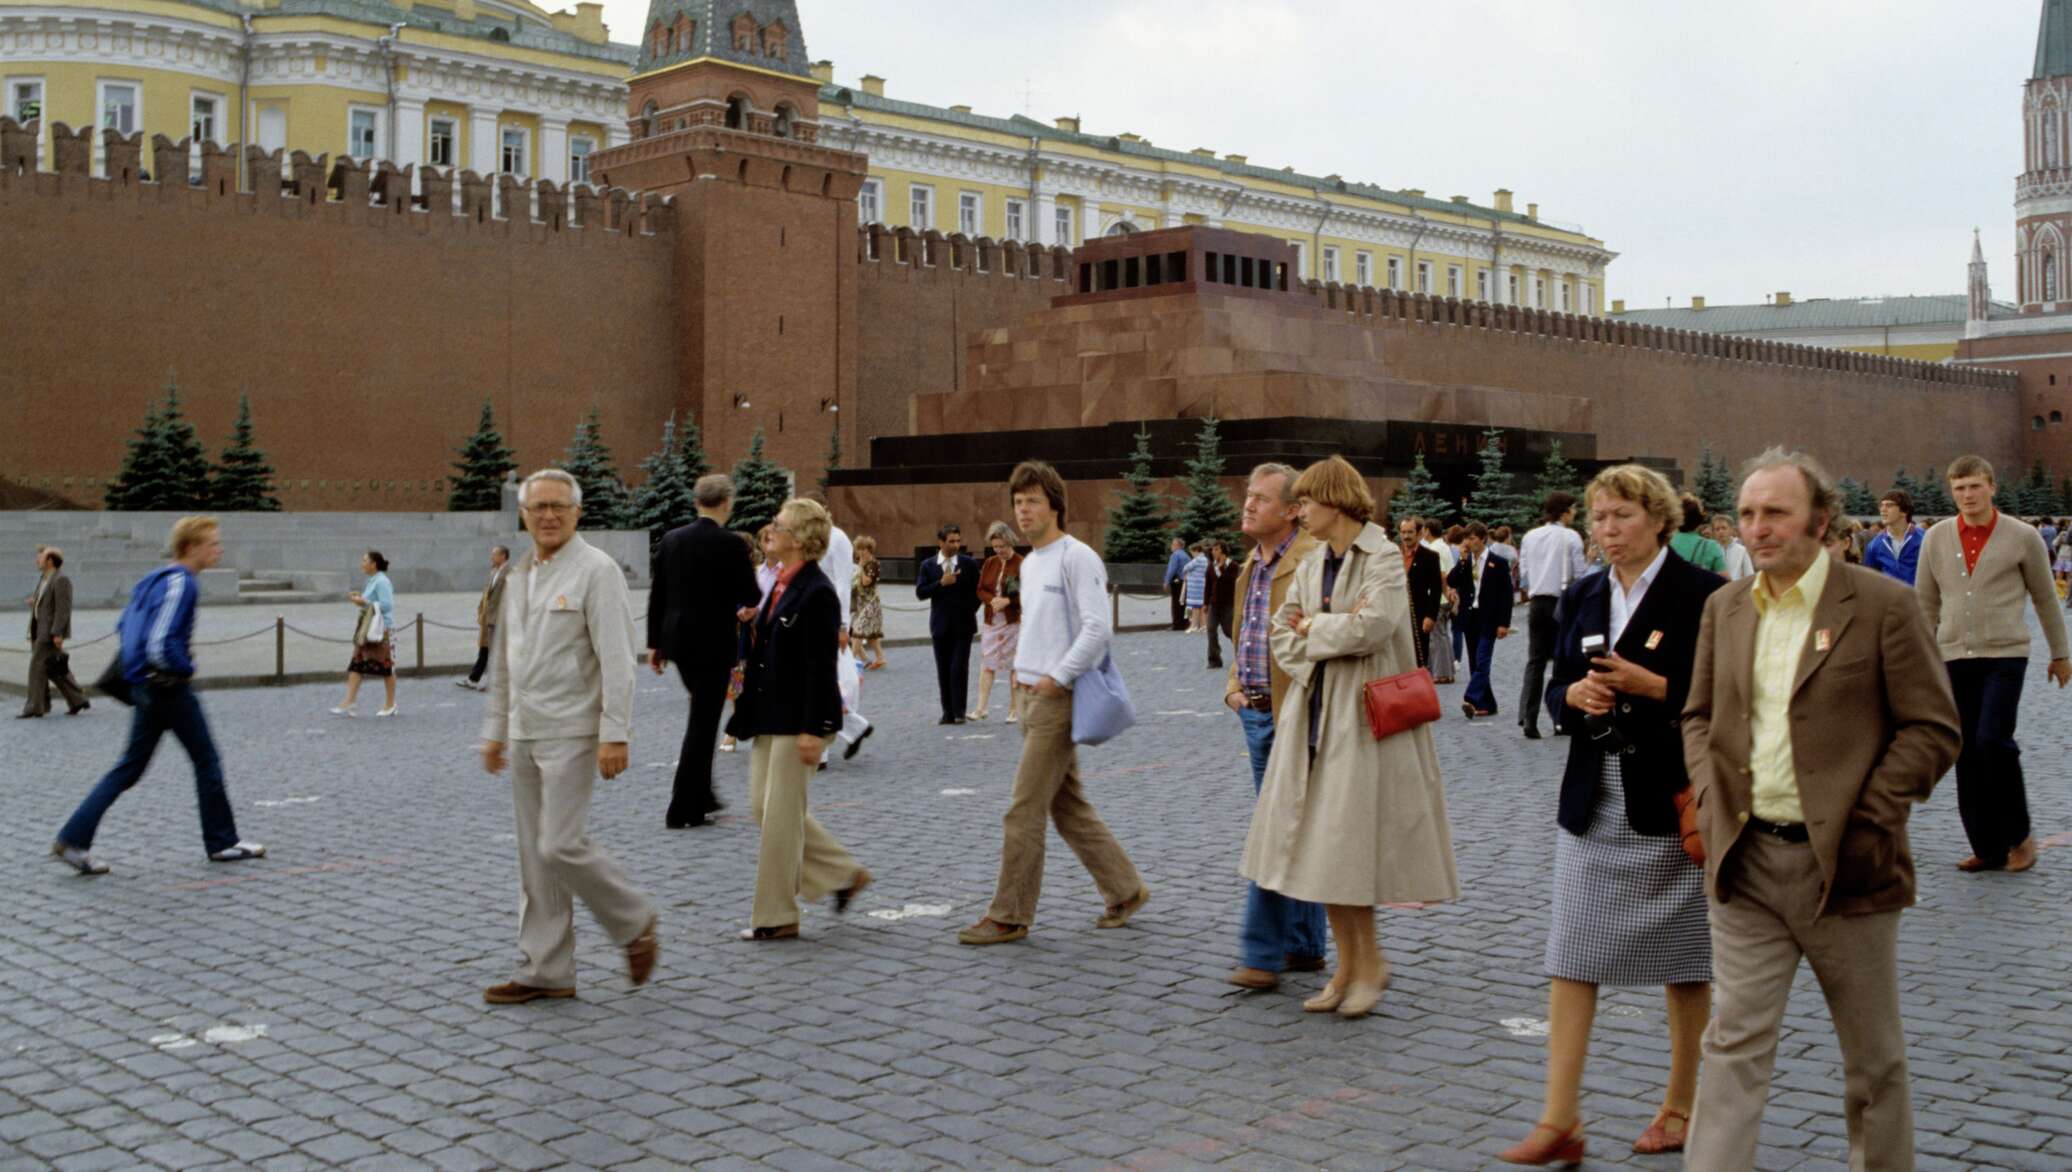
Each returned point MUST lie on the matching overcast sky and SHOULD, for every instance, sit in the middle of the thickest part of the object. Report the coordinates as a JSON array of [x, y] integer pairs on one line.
[[1832, 148]]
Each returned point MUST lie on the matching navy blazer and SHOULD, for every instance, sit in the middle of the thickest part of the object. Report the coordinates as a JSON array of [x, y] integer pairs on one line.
[[702, 575], [1493, 603], [1652, 769], [789, 685], [952, 609]]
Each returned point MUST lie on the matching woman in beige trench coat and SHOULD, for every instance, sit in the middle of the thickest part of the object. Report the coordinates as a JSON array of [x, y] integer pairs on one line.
[[1350, 822]]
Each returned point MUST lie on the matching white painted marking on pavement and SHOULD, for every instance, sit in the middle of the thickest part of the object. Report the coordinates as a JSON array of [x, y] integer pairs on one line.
[[288, 802], [910, 911], [172, 1041], [958, 793], [221, 1035], [1178, 712], [976, 737], [1525, 1027]]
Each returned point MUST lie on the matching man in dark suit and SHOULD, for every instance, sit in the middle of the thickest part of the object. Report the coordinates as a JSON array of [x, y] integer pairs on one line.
[[949, 582], [50, 624], [704, 584], [1427, 586], [1222, 595], [1484, 585], [1816, 719]]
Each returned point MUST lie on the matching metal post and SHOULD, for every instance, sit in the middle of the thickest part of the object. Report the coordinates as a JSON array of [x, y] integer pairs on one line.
[[280, 650], [1114, 607], [420, 642]]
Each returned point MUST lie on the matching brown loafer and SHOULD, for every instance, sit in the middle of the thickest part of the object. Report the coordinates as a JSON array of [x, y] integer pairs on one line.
[[847, 895], [513, 993], [992, 931], [1251, 978], [778, 932], [2022, 856], [1974, 865], [1302, 964], [641, 954], [1119, 914]]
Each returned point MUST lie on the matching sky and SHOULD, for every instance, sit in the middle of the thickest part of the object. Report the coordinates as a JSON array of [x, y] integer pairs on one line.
[[1829, 148]]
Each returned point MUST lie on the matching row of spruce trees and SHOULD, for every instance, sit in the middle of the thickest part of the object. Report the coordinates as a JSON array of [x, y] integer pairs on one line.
[[2032, 496]]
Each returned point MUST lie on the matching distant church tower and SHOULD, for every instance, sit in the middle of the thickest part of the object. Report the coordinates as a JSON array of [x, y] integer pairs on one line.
[[724, 113], [1980, 293], [2043, 226]]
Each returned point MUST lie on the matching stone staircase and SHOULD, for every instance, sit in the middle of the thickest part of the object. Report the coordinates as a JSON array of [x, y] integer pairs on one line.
[[257, 591]]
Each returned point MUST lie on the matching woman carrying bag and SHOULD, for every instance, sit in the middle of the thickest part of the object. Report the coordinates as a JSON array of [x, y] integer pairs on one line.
[[1345, 819], [1628, 901], [374, 636]]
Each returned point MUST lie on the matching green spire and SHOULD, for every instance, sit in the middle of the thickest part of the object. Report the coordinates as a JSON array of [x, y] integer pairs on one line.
[[2053, 40]]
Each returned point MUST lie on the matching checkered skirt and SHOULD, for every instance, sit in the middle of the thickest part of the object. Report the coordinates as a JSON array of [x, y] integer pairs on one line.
[[1629, 909]]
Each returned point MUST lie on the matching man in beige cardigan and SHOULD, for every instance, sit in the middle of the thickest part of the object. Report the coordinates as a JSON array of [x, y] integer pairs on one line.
[[1978, 571]]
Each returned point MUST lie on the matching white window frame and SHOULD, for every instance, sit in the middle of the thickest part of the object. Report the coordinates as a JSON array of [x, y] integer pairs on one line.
[[971, 213], [920, 206], [1396, 273], [1482, 285], [7, 106], [579, 160], [101, 87], [870, 202], [1424, 277], [220, 105], [431, 137], [1063, 223], [1363, 269], [1539, 292], [503, 148], [1453, 281], [1511, 288], [1330, 262], [1017, 226], [1589, 298], [1561, 295], [373, 114]]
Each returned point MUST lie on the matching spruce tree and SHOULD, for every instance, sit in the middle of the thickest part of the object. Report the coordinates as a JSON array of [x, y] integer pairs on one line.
[[187, 464], [691, 449], [243, 480], [1419, 496], [834, 452], [2065, 495], [1714, 484], [1903, 481], [2035, 496], [664, 501], [761, 487], [1558, 475], [143, 466], [1493, 500], [1932, 496], [606, 503], [1137, 523], [1857, 498], [484, 463], [1208, 514]]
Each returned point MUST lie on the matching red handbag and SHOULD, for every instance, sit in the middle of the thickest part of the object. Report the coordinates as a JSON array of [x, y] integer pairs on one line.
[[1399, 703]]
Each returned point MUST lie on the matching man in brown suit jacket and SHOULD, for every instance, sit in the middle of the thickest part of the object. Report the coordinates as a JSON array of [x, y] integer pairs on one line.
[[50, 624], [1818, 714], [487, 608], [1279, 933]]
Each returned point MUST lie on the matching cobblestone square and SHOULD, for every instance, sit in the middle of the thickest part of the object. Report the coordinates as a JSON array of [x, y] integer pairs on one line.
[[322, 1007]]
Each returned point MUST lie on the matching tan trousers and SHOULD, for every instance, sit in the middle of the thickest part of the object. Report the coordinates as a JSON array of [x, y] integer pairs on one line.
[[550, 787], [1046, 790], [1758, 936], [799, 859], [43, 656]]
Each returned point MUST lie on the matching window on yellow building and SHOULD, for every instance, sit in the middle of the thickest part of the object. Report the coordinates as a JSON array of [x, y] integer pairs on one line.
[[921, 208], [1453, 280], [439, 147], [1017, 217], [1330, 264], [25, 100], [361, 131], [1396, 273], [1424, 276], [579, 159], [1482, 285], [1063, 226], [968, 213], [511, 159], [870, 202]]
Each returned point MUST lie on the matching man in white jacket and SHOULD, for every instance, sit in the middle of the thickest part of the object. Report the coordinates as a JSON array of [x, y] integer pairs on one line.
[[839, 564], [561, 697]]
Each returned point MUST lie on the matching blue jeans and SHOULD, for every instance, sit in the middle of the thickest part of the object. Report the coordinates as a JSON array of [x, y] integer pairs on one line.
[[1482, 645], [1276, 927], [173, 710], [1991, 796]]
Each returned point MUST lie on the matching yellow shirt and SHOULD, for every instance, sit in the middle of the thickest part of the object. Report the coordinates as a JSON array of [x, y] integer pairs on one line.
[[1781, 627]]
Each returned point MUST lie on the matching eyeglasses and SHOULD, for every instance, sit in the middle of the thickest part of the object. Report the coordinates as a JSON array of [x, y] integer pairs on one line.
[[554, 508]]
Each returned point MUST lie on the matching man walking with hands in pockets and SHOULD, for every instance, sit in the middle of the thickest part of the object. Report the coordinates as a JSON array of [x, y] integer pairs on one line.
[[561, 696], [1064, 635]]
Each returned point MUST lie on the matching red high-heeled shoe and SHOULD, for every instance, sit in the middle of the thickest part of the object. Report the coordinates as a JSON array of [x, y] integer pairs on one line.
[[1548, 1144]]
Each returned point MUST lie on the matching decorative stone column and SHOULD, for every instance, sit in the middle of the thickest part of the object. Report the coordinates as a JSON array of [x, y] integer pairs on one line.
[[553, 161], [482, 140]]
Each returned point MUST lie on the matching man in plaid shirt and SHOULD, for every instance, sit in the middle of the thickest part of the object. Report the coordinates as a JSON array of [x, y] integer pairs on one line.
[[1280, 934]]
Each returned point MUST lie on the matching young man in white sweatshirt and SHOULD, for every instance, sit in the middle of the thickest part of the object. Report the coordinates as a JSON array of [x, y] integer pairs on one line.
[[1065, 633]]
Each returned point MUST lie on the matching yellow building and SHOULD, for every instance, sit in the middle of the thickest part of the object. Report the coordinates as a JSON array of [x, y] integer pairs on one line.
[[954, 170], [487, 85], [1926, 328]]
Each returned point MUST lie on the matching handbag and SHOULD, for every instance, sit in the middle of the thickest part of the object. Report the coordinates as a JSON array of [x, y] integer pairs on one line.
[[1101, 706], [112, 685], [370, 629], [1401, 702]]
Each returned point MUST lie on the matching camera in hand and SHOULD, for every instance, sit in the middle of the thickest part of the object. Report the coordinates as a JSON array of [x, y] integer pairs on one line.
[[1599, 727]]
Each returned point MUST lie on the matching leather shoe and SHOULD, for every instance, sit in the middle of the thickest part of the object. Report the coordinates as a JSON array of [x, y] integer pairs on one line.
[[1302, 964], [947, 720], [847, 895], [641, 953], [1251, 978], [1119, 914], [1532, 732], [992, 931], [513, 993], [78, 708], [2022, 856], [683, 823], [1974, 865]]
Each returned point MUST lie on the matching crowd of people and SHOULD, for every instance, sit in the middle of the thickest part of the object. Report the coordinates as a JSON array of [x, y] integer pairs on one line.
[[1703, 841]]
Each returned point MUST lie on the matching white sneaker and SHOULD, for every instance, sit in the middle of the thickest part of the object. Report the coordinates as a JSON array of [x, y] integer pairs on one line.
[[389, 711], [77, 859], [345, 710], [726, 746], [464, 682], [239, 853]]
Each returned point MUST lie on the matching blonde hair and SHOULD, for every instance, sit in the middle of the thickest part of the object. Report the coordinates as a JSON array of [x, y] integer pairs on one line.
[[866, 544], [1643, 486], [189, 532], [1336, 484], [809, 525], [1964, 466]]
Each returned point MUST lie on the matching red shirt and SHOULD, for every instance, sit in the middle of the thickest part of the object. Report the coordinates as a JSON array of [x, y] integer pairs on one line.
[[1973, 538], [784, 577]]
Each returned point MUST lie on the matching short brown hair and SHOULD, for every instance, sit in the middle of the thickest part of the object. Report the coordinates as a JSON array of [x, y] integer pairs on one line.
[[1035, 474], [809, 525], [1821, 495], [1901, 501], [1964, 466], [1336, 484], [189, 532], [1644, 487]]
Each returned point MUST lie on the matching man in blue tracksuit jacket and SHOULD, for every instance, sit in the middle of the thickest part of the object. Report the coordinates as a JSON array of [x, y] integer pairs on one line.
[[1895, 557], [157, 666]]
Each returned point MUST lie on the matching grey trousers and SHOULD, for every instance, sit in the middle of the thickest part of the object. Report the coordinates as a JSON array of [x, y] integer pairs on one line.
[[1758, 936], [42, 657], [558, 862]]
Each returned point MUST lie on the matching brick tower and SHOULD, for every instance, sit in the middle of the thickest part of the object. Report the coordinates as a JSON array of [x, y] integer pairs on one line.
[[2043, 226], [724, 114]]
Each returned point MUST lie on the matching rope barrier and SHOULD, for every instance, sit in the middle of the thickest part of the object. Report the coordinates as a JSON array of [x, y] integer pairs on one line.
[[232, 639]]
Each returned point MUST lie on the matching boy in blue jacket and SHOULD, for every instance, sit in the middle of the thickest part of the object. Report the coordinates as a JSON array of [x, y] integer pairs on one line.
[[157, 667], [1895, 553]]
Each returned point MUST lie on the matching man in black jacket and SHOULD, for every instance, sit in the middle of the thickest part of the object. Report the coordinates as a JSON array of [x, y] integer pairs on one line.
[[704, 584], [949, 582], [1483, 582], [1427, 586]]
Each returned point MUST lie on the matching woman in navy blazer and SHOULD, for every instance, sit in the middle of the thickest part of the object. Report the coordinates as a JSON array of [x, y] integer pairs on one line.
[[1629, 904], [789, 705]]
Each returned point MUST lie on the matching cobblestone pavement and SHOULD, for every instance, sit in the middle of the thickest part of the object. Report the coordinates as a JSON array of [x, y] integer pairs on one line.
[[322, 1006]]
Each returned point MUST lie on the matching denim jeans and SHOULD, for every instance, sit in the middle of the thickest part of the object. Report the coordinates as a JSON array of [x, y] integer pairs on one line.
[[1991, 796], [1276, 927], [1481, 648], [174, 710]]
